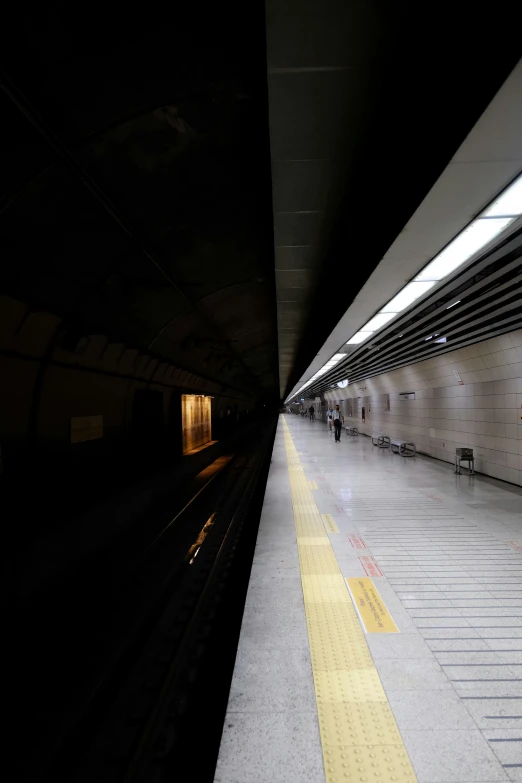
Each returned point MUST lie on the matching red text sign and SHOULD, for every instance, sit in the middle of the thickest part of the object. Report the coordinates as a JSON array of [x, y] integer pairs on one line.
[[370, 566], [357, 542]]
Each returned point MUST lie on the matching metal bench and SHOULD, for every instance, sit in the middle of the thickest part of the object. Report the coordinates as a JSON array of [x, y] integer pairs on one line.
[[352, 431], [465, 455], [382, 441], [403, 447]]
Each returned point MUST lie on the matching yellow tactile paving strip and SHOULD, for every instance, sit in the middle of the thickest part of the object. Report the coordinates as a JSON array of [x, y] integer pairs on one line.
[[359, 736], [329, 523]]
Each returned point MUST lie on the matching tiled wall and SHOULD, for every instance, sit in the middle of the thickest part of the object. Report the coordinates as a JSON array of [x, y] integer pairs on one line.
[[469, 397]]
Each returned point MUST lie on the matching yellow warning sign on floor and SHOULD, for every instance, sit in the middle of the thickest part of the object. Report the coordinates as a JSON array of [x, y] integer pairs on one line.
[[372, 609]]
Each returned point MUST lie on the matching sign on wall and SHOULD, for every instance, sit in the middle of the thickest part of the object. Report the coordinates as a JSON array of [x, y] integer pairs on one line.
[[195, 421], [84, 428], [407, 396], [457, 376]]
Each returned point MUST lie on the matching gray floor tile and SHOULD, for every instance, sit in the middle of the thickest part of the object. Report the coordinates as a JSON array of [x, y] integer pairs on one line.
[[472, 658], [479, 673], [273, 630], [508, 753], [276, 566], [279, 748], [413, 674], [275, 593], [437, 709], [495, 713], [451, 645], [452, 757], [272, 680], [401, 645]]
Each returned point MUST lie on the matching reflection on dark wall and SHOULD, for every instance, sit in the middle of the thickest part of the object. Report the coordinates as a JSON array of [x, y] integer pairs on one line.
[[196, 421]]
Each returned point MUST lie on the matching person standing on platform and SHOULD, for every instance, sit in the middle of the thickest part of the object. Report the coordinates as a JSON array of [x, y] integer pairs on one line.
[[329, 416], [338, 420], [311, 411]]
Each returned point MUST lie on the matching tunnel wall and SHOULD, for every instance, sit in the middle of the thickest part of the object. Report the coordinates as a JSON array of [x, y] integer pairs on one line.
[[469, 397], [44, 384]]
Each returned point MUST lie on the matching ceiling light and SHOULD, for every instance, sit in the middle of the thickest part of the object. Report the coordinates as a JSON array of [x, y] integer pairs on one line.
[[407, 296], [428, 338], [441, 340], [509, 203], [502, 212], [471, 240], [358, 337], [378, 321]]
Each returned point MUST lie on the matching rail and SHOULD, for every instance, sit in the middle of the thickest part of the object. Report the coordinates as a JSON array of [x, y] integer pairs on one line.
[[122, 734]]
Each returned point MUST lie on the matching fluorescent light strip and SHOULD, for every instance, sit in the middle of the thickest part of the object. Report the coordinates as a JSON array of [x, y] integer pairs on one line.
[[324, 369], [488, 225], [358, 337], [509, 202], [506, 208], [470, 241]]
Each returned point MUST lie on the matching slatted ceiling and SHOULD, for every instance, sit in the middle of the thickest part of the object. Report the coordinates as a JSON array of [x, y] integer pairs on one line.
[[490, 293]]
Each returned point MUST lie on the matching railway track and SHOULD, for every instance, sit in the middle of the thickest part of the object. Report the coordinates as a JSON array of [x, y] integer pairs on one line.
[[175, 617]]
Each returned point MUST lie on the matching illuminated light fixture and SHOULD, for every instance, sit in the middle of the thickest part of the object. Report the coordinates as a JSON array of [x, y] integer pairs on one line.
[[509, 204], [358, 337], [378, 321], [453, 305], [505, 209], [428, 338], [441, 340], [343, 384], [409, 294], [324, 369], [472, 239]]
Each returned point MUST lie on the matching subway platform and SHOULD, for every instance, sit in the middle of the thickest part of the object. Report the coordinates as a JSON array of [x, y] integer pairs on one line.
[[382, 632]]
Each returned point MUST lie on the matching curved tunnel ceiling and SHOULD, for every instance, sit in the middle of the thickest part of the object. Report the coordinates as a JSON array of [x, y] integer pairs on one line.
[[136, 183], [140, 148]]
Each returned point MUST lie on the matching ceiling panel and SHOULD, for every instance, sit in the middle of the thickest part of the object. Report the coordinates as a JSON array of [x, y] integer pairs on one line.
[[294, 257], [365, 114], [301, 184]]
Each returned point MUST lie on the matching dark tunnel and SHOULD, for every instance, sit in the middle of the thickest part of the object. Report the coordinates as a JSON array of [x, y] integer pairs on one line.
[[168, 273]]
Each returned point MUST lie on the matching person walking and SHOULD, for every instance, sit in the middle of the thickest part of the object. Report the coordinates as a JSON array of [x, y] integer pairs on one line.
[[338, 420], [311, 411], [329, 417]]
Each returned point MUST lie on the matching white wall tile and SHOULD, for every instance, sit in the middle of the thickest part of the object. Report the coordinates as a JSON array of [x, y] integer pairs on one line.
[[485, 413]]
